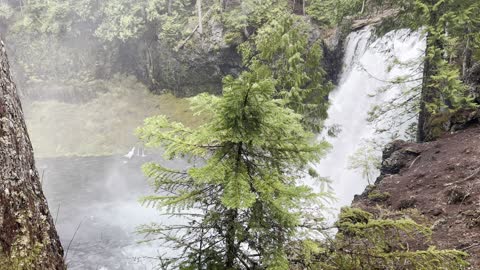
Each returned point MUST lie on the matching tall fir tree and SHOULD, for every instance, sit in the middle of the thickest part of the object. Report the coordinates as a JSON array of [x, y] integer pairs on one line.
[[253, 153]]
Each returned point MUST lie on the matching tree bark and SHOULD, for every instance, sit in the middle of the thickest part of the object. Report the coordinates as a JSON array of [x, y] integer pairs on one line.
[[467, 55], [424, 114], [428, 93], [169, 7], [231, 247], [28, 239], [363, 7], [200, 17]]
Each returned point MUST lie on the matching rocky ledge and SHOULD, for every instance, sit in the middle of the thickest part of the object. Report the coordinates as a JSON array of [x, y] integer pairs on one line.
[[441, 180]]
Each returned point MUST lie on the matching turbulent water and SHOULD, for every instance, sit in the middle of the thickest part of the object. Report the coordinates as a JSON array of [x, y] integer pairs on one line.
[[94, 200], [369, 68]]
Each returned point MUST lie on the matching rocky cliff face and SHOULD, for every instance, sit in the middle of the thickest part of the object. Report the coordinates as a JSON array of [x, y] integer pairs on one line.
[[440, 179], [183, 67]]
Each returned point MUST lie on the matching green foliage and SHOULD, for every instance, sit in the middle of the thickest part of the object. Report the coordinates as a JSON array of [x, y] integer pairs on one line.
[[6, 12], [111, 20], [253, 14], [452, 94], [365, 242], [367, 160], [332, 12], [451, 25], [123, 19], [282, 47], [378, 196], [253, 151], [452, 30], [23, 254], [51, 17], [91, 37]]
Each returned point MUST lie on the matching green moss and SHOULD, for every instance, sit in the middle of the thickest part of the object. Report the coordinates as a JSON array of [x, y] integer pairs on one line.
[[365, 241], [439, 125], [353, 216], [20, 257], [378, 196], [233, 38]]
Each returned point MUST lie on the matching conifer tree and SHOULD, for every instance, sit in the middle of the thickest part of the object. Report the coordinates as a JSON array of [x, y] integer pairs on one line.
[[282, 45], [332, 12], [252, 154]]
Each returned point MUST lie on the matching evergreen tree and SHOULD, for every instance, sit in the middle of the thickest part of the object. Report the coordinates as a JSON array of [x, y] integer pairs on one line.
[[282, 46], [253, 152], [332, 12]]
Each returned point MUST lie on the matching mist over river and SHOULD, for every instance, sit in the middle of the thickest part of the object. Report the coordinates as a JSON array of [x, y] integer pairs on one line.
[[83, 140], [95, 202]]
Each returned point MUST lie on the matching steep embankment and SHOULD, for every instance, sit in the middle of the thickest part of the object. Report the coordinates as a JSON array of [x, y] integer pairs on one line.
[[441, 180]]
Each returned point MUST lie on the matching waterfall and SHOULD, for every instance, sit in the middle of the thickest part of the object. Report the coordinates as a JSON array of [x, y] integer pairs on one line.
[[368, 68]]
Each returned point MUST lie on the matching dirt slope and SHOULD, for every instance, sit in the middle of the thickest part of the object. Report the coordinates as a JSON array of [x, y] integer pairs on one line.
[[442, 180]]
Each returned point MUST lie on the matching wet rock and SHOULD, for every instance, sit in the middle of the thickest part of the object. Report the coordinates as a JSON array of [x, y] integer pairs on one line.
[[437, 212], [456, 195], [391, 148], [396, 156], [407, 203], [438, 223], [472, 218]]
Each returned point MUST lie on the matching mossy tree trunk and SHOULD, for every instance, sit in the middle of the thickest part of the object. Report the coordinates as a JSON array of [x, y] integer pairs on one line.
[[429, 93], [28, 239], [426, 97]]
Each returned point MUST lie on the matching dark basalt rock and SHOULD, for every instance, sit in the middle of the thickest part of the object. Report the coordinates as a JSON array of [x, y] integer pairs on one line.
[[396, 156]]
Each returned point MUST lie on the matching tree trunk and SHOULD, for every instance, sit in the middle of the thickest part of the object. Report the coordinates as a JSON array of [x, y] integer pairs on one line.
[[363, 7], [424, 114], [199, 11], [169, 7], [467, 55], [428, 93], [28, 239], [231, 248]]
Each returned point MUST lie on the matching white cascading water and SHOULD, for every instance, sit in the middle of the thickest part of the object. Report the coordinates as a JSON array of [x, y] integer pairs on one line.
[[367, 68]]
